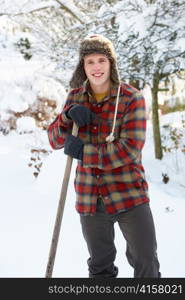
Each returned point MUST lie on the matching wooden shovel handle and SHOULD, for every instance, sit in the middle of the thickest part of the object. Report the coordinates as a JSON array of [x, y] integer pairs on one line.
[[60, 211]]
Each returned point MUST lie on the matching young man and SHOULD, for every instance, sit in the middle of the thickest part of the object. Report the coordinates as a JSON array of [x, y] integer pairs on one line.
[[110, 182]]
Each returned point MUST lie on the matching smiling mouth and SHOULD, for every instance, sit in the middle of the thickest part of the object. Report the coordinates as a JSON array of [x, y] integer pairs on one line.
[[97, 75]]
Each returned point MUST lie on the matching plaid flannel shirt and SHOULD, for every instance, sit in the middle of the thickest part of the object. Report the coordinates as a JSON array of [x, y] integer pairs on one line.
[[113, 170]]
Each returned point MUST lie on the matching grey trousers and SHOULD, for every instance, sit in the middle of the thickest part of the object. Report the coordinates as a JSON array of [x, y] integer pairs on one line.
[[137, 227]]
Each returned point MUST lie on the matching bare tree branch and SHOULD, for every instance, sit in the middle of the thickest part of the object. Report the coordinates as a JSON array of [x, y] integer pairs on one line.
[[67, 8]]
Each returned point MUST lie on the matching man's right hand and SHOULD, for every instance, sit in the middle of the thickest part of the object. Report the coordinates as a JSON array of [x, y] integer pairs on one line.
[[80, 114]]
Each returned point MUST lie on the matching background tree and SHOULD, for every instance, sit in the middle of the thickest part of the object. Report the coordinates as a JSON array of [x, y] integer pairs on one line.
[[153, 48]]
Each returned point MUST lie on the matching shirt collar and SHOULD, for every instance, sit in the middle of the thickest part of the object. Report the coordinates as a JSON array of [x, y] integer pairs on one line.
[[113, 89]]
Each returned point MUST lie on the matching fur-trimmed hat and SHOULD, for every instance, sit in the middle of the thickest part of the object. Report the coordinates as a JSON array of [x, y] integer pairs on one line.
[[94, 44]]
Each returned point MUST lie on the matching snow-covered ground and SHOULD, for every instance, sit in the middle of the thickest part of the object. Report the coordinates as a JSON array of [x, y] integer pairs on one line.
[[28, 209]]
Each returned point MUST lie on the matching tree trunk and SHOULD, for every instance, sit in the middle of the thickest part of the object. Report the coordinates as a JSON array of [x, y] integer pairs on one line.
[[155, 119], [135, 83]]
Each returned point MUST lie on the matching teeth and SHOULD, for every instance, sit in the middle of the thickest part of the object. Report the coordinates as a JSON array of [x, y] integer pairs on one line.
[[97, 75]]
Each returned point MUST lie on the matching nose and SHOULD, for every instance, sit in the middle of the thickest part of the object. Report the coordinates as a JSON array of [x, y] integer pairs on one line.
[[96, 67]]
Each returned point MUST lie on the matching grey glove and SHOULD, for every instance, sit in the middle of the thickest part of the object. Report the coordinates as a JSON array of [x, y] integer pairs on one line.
[[74, 147], [80, 114]]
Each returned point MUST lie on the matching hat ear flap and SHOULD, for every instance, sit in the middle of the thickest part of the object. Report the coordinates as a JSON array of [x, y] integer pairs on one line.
[[78, 76], [114, 72]]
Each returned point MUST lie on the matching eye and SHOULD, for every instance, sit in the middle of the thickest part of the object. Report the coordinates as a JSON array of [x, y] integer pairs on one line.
[[89, 62], [102, 60]]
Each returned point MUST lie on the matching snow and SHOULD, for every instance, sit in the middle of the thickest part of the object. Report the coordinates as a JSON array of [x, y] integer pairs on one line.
[[22, 82], [23, 6], [25, 124], [140, 26], [103, 10], [29, 203], [50, 88], [69, 4], [29, 206]]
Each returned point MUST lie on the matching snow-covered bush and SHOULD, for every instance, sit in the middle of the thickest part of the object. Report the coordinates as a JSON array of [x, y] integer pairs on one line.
[[25, 125], [26, 92]]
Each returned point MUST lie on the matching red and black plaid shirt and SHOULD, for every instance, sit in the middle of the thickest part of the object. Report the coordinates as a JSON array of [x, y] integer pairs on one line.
[[113, 170]]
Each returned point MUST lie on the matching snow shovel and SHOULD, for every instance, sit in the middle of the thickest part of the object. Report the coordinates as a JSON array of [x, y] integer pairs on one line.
[[60, 211]]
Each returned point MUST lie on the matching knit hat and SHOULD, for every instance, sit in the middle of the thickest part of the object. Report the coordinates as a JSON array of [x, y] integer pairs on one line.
[[94, 44]]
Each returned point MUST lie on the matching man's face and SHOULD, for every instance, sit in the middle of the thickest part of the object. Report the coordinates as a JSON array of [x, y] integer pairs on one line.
[[97, 69]]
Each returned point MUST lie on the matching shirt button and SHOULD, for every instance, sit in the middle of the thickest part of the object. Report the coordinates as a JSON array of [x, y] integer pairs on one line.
[[95, 127], [97, 176]]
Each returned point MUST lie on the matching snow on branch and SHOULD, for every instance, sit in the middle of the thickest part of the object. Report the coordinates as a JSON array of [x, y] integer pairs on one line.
[[70, 7], [29, 7], [25, 7]]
